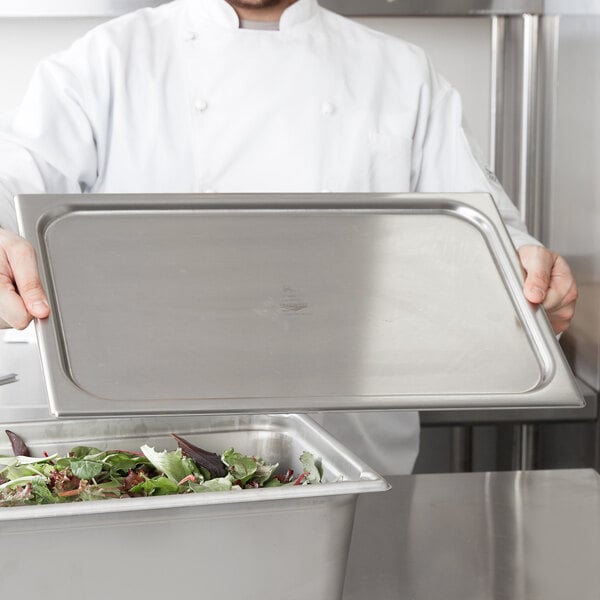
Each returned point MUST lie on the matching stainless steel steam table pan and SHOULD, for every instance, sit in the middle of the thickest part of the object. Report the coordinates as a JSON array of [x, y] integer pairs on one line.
[[264, 544]]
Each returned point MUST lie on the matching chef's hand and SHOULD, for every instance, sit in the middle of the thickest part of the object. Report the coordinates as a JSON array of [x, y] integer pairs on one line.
[[21, 293], [549, 282]]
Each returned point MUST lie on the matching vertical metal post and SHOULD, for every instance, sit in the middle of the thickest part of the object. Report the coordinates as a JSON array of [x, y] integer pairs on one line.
[[497, 91], [521, 47], [516, 114], [461, 449], [528, 190], [549, 35], [524, 447]]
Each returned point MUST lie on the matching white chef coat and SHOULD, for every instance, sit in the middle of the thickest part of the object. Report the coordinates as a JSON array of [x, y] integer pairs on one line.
[[180, 99]]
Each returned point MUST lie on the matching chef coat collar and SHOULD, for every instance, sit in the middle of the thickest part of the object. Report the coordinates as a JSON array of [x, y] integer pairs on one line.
[[223, 13]]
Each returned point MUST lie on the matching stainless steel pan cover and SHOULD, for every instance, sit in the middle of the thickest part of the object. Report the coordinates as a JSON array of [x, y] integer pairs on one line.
[[255, 303]]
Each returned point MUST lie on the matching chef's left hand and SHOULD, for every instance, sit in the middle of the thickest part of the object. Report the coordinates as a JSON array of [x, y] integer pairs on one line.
[[549, 282]]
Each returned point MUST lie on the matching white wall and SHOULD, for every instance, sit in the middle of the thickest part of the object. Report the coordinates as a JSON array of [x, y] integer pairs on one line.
[[24, 42]]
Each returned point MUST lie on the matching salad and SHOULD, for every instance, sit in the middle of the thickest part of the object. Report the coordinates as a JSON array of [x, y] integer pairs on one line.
[[88, 473]]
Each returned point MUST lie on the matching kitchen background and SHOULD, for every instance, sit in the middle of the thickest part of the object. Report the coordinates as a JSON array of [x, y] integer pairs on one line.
[[529, 75]]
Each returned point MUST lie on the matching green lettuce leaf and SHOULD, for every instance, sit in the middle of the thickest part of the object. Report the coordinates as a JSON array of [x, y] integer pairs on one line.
[[21, 481], [9, 461], [157, 486], [218, 484], [85, 469], [101, 491], [18, 471], [85, 451], [121, 463], [173, 464], [241, 468], [272, 483], [41, 493], [264, 472]]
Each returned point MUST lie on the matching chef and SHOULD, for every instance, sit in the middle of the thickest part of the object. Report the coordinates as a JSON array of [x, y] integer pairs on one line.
[[249, 96]]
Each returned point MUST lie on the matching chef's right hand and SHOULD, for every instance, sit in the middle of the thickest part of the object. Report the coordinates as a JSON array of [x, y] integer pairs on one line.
[[21, 293]]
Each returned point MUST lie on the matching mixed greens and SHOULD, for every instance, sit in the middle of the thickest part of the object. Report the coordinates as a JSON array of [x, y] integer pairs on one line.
[[92, 474]]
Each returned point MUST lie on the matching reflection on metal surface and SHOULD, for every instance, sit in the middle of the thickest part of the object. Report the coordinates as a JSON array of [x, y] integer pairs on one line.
[[487, 536], [8, 378], [521, 46], [524, 447], [519, 580], [461, 449], [547, 85], [526, 169], [488, 573], [496, 88]]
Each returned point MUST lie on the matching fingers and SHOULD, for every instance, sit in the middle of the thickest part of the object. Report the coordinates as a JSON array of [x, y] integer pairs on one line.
[[21, 257], [21, 293], [12, 310], [549, 282], [562, 296], [537, 263]]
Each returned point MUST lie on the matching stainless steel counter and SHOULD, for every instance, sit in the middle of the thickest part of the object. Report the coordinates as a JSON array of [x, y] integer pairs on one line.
[[25, 399], [528, 535]]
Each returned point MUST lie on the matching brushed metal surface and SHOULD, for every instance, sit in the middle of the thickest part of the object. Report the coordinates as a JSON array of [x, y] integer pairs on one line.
[[183, 303], [8, 378], [434, 7], [27, 399], [479, 536], [572, 219], [113, 8], [458, 8]]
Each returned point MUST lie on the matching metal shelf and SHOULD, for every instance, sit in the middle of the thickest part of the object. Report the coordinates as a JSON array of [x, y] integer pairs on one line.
[[461, 8], [364, 8]]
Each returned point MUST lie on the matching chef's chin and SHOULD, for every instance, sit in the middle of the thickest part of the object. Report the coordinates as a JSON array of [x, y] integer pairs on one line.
[[249, 4]]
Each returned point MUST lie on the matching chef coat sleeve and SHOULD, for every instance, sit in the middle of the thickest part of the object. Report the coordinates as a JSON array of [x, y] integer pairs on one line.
[[448, 163], [47, 144]]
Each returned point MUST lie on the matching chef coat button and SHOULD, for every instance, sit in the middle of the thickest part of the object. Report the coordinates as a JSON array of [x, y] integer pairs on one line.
[[190, 36], [327, 108], [200, 105]]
